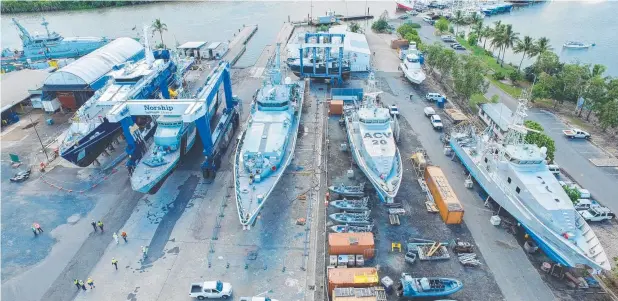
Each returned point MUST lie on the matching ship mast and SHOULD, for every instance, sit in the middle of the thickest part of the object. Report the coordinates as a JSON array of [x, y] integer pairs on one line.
[[24, 35], [45, 23], [517, 131]]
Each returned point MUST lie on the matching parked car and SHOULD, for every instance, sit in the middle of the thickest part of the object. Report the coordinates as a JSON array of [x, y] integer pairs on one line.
[[554, 168], [211, 289], [448, 38], [428, 19], [455, 44], [429, 111], [459, 47], [436, 122], [576, 134], [394, 110], [433, 96], [597, 214]]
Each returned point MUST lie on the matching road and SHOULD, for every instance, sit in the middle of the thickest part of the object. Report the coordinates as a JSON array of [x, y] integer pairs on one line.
[[572, 155], [513, 271]]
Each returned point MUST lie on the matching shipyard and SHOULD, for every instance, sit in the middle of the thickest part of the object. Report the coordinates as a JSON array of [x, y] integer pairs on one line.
[[329, 157]]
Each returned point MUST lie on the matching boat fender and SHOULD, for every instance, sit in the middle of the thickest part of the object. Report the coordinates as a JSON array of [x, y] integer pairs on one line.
[[274, 168]]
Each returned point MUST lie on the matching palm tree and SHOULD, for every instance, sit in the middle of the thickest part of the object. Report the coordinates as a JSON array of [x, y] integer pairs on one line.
[[458, 19], [159, 26], [497, 37], [486, 33], [509, 39], [542, 46], [476, 22], [526, 46], [477, 28]]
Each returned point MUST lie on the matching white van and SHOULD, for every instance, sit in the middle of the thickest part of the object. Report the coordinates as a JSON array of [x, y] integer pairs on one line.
[[428, 19], [433, 96], [554, 168]]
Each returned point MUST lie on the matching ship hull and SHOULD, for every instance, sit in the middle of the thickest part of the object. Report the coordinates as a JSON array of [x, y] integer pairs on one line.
[[268, 184], [551, 243], [308, 69], [90, 147], [415, 78], [404, 6], [385, 196]]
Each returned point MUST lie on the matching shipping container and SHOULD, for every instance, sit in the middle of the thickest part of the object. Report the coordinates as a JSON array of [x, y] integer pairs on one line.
[[351, 244], [352, 277], [336, 107], [355, 294], [447, 202]]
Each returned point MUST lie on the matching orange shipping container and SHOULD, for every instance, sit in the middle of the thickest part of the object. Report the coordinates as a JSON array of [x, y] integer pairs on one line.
[[352, 244], [352, 277], [336, 107], [447, 202], [396, 44]]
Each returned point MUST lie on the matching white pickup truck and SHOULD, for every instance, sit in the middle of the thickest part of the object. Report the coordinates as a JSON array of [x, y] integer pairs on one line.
[[596, 214], [576, 134], [210, 290], [436, 122]]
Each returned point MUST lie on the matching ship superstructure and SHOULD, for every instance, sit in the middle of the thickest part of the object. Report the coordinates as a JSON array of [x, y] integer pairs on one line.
[[516, 177], [266, 146], [371, 136]]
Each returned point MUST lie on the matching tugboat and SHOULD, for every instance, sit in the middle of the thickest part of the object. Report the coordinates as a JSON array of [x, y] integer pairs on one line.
[[515, 175], [172, 140], [266, 146], [90, 131], [372, 143], [49, 46]]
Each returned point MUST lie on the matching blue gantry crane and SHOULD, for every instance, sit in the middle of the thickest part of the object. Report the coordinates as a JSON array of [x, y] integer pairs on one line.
[[327, 44], [199, 110]]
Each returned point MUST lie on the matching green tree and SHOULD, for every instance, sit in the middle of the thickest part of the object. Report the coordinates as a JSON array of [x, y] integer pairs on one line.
[[457, 19], [539, 138], [406, 29], [442, 25], [486, 33], [433, 55], [158, 26], [609, 115], [323, 28], [572, 192], [472, 39], [542, 46], [525, 46], [354, 27], [448, 59], [469, 77], [596, 96], [514, 76], [477, 28], [497, 39], [381, 25]]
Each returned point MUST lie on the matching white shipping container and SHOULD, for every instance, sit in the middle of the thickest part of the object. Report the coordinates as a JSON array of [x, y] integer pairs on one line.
[[51, 105]]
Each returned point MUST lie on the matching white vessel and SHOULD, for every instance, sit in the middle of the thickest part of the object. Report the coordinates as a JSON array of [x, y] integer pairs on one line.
[[172, 140], [576, 45], [266, 146], [516, 177], [411, 66], [372, 143]]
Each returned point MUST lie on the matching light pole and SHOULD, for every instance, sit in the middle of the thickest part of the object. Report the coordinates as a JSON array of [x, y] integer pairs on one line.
[[37, 135]]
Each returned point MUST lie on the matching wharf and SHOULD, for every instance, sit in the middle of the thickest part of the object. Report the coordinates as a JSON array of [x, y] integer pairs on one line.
[[356, 17], [238, 45], [269, 51]]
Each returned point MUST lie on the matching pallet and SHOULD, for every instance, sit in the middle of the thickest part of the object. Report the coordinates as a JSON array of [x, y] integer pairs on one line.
[[394, 219], [396, 211], [380, 294], [440, 254]]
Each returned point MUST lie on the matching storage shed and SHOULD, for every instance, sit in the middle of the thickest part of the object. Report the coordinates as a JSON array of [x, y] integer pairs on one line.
[[351, 244], [351, 277], [355, 49], [17, 88], [196, 49], [75, 84], [496, 115], [443, 195], [216, 50]]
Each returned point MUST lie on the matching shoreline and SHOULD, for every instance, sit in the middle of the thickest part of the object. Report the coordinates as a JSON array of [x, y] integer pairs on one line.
[[18, 7]]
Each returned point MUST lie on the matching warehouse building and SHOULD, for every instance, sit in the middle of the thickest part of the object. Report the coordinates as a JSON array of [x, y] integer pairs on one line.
[[73, 85], [18, 88]]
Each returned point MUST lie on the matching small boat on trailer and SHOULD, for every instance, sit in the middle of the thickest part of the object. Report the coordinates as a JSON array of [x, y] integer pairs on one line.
[[349, 190], [351, 229], [351, 205], [357, 218], [427, 286]]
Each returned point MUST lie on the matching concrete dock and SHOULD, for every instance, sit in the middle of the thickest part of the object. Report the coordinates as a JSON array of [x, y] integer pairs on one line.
[[238, 44]]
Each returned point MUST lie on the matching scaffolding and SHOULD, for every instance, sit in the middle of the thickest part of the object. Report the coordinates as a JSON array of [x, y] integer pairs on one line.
[[323, 41]]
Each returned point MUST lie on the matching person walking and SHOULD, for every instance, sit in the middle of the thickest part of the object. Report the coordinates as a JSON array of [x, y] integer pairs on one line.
[[100, 224], [115, 263], [38, 227], [34, 231], [81, 283], [77, 284], [94, 225], [144, 252], [115, 237], [124, 236], [90, 282]]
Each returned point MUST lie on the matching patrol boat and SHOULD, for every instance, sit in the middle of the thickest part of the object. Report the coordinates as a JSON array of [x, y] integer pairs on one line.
[[172, 140], [372, 143], [90, 131], [515, 175], [267, 144], [50, 46]]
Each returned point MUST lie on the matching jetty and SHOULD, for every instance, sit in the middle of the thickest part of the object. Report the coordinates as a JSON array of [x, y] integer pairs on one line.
[[282, 39], [238, 44]]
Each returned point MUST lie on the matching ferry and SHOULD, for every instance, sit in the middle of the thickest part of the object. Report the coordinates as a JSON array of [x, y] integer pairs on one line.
[[90, 131], [173, 140], [372, 142], [516, 176], [50, 46], [266, 146]]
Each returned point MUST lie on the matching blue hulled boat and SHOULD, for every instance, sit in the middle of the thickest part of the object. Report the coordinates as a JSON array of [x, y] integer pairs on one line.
[[427, 286]]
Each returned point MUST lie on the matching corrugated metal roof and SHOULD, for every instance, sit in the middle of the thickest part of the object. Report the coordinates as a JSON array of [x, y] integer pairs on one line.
[[190, 45], [499, 113], [93, 66], [15, 85]]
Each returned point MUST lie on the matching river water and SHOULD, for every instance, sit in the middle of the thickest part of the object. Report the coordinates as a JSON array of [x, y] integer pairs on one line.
[[588, 21]]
